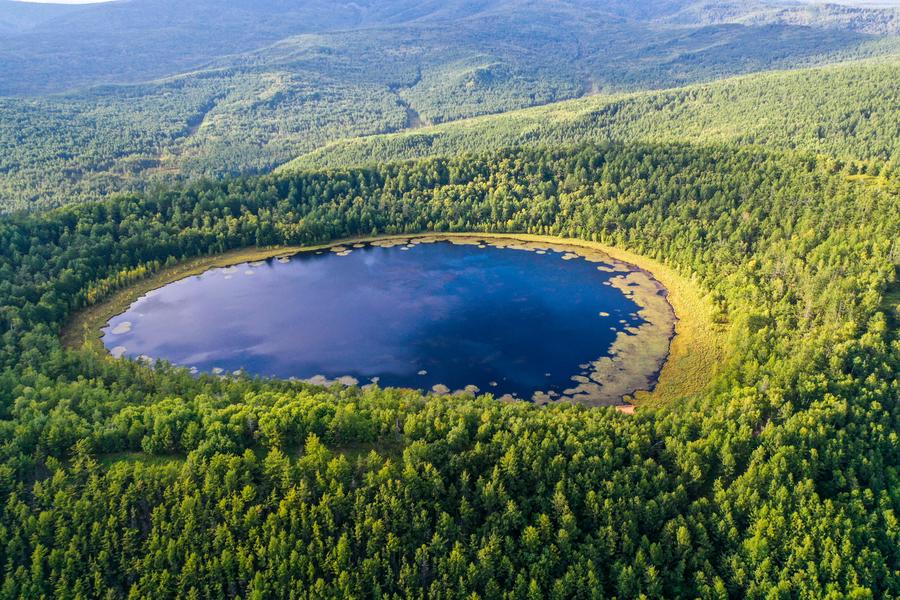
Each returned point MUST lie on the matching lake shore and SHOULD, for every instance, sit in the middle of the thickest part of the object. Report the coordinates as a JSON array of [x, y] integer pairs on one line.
[[695, 342]]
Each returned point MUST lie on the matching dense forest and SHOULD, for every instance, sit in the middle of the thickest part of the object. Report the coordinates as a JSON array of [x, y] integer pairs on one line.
[[109, 98], [77, 147], [779, 480], [721, 139], [848, 110], [81, 147]]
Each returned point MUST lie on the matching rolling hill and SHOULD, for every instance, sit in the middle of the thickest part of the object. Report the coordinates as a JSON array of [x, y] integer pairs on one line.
[[848, 111], [196, 91]]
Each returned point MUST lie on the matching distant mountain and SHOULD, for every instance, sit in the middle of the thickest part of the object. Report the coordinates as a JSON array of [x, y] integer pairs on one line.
[[20, 17], [98, 99], [136, 40], [52, 48], [858, 17]]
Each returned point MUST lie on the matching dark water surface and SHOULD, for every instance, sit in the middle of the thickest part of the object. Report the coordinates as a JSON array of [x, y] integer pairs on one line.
[[504, 320]]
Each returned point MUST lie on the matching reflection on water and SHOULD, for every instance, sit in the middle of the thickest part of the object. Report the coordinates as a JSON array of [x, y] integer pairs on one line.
[[432, 316]]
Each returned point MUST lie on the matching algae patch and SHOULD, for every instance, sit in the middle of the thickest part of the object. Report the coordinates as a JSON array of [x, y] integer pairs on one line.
[[638, 353], [122, 328]]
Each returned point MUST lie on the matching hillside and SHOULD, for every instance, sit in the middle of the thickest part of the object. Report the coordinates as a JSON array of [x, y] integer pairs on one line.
[[865, 17], [741, 156], [47, 48], [848, 111], [138, 40], [232, 99]]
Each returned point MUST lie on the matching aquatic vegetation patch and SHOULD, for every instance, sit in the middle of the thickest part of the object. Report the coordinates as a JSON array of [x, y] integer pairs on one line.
[[630, 362]]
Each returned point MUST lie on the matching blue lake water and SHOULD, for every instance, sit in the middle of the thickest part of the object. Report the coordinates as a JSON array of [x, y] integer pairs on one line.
[[507, 321]]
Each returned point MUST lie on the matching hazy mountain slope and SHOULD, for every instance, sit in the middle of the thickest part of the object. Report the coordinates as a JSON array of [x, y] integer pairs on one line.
[[861, 17], [57, 49], [844, 110], [401, 64], [142, 39], [865, 19], [18, 17]]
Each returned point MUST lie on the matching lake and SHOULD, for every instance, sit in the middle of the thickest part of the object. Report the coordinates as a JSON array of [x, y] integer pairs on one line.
[[520, 320]]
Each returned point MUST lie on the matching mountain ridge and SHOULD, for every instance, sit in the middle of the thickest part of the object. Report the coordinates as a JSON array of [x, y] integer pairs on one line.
[[733, 110]]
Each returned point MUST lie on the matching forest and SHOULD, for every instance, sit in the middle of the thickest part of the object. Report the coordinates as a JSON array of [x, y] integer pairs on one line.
[[847, 110], [779, 479], [751, 148], [87, 110]]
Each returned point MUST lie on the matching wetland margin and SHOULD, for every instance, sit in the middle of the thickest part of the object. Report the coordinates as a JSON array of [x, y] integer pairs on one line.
[[696, 347]]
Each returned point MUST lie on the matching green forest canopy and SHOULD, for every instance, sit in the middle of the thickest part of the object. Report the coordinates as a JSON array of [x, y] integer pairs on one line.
[[848, 110], [782, 479], [246, 90], [775, 193]]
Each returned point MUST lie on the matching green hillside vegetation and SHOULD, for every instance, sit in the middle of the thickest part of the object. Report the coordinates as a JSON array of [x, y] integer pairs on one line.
[[718, 142], [250, 109], [84, 146], [850, 110], [780, 480]]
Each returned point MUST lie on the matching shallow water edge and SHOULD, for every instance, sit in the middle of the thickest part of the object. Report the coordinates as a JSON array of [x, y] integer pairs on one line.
[[681, 360]]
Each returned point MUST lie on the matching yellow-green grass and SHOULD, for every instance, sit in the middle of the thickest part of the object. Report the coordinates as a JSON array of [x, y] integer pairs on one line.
[[698, 348], [696, 352]]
